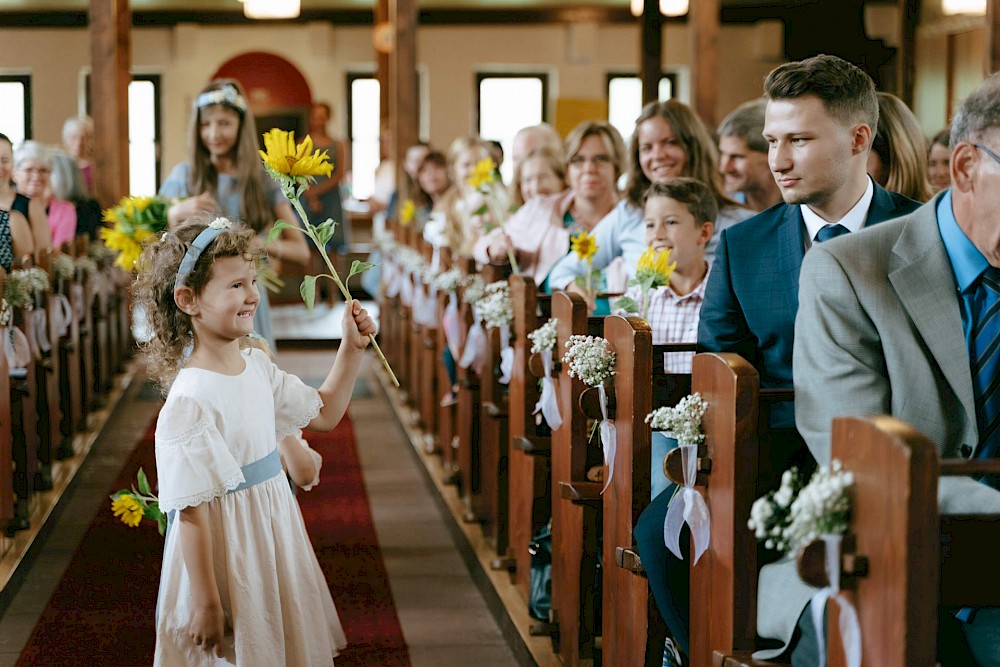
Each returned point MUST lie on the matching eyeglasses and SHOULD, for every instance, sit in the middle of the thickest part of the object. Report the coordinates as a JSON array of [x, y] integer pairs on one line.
[[35, 171], [993, 156]]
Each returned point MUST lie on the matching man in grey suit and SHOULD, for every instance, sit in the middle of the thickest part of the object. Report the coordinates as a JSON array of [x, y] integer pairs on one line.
[[901, 319]]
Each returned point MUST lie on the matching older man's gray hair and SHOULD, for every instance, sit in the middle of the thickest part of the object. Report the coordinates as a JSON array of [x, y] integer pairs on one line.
[[978, 113]]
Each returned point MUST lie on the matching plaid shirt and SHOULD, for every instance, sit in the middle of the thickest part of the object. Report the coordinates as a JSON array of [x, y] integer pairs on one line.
[[674, 319]]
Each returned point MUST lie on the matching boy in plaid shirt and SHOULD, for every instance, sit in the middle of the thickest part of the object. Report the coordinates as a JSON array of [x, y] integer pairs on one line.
[[679, 215]]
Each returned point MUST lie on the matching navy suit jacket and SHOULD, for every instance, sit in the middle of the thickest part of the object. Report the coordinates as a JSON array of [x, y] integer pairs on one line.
[[752, 294]]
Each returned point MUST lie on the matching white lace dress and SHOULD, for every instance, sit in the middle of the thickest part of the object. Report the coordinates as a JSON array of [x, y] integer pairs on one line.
[[273, 591]]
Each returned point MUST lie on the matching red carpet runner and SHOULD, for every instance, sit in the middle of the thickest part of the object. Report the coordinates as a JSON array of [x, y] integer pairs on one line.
[[102, 610]]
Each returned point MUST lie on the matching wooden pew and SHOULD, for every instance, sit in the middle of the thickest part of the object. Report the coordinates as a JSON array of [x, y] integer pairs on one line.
[[71, 392], [47, 404], [530, 450], [898, 551], [467, 409], [447, 418], [103, 338], [576, 504], [24, 424], [7, 495], [739, 447], [87, 331], [640, 385]]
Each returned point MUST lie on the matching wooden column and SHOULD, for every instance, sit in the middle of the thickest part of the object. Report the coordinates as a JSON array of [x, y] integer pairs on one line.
[[110, 56], [906, 68], [403, 107], [703, 21], [382, 51], [651, 53], [992, 36]]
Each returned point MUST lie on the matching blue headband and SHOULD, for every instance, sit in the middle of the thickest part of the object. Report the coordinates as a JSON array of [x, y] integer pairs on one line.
[[198, 246]]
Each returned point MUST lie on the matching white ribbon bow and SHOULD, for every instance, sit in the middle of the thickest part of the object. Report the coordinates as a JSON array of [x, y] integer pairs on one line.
[[428, 310], [405, 289], [609, 436], [473, 344], [506, 355], [451, 325], [62, 316], [16, 348], [548, 403], [391, 276], [79, 303], [850, 629], [40, 329], [688, 507]]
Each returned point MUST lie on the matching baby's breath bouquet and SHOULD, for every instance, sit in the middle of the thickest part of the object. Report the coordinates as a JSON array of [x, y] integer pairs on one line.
[[132, 505], [544, 337], [21, 285], [653, 271], [683, 421], [474, 290], [448, 281], [496, 307], [795, 515], [295, 168], [133, 221], [589, 358], [486, 180]]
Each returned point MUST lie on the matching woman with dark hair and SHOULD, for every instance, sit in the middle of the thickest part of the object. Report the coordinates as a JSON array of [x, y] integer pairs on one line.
[[939, 160], [226, 177], [669, 140], [15, 233]]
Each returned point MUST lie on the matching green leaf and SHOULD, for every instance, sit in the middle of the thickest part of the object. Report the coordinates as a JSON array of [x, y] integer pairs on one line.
[[581, 282], [143, 483], [627, 304], [161, 524], [277, 229], [308, 291], [482, 210], [647, 283], [358, 267], [325, 231]]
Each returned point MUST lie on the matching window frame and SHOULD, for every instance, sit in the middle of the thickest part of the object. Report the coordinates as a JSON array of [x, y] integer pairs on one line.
[[24, 80], [482, 75]]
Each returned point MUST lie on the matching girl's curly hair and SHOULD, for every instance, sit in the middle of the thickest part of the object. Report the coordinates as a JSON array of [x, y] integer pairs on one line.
[[154, 288]]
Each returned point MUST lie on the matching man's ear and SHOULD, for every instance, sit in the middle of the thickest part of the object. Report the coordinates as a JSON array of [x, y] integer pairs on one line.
[[185, 300], [861, 138], [963, 166]]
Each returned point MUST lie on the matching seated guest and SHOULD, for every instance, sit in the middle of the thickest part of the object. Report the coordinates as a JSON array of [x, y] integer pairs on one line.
[[67, 185], [529, 138], [743, 157], [539, 232], [432, 182], [937, 160], [78, 139], [752, 293], [464, 222], [32, 169], [669, 141], [898, 159], [542, 172], [14, 207], [899, 320]]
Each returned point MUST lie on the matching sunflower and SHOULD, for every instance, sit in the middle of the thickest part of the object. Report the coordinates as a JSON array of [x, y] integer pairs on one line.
[[129, 247], [407, 212], [482, 173], [128, 510], [584, 245], [655, 266], [287, 158]]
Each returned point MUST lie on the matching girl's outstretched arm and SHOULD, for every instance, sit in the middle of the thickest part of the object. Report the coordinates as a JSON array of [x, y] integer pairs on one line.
[[208, 620], [339, 384]]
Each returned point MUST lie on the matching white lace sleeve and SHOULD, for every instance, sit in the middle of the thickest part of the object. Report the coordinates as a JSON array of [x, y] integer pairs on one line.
[[193, 463], [295, 403]]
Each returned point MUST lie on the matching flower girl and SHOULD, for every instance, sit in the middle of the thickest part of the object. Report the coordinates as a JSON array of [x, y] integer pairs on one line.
[[240, 582]]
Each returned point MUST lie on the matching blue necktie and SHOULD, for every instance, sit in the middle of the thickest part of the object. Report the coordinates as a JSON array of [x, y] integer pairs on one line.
[[984, 357], [831, 232]]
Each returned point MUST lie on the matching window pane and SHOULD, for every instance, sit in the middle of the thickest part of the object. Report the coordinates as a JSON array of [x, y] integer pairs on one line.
[[365, 117], [506, 104], [12, 111], [625, 101], [142, 138]]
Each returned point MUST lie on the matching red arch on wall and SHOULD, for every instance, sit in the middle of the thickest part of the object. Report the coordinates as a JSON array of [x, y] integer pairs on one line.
[[271, 81]]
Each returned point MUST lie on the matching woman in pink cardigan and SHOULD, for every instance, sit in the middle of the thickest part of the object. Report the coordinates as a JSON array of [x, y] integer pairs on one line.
[[540, 231]]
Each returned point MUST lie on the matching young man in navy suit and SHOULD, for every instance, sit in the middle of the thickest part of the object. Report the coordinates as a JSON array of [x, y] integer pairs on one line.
[[819, 124]]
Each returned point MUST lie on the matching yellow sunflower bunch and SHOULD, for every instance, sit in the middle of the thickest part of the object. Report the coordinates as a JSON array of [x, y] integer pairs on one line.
[[130, 223]]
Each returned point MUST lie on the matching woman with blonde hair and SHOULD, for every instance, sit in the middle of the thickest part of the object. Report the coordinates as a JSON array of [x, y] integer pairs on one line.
[[669, 141], [541, 172], [539, 232], [898, 158], [463, 224]]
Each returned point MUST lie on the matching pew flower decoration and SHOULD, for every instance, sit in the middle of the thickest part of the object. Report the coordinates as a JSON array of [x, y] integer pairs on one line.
[[683, 422], [133, 221], [449, 281], [822, 507], [591, 359], [139, 502], [295, 166], [5, 313], [497, 207], [653, 271], [474, 289], [585, 246], [497, 311], [63, 267], [543, 342], [771, 514]]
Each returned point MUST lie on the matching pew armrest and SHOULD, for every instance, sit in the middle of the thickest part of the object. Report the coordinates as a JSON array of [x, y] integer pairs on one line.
[[534, 445], [581, 493]]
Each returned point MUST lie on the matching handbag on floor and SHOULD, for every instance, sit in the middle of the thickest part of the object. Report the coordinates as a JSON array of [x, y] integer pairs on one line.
[[540, 584]]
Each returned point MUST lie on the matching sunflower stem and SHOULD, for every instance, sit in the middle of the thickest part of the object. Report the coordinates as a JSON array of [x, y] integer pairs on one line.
[[310, 231]]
